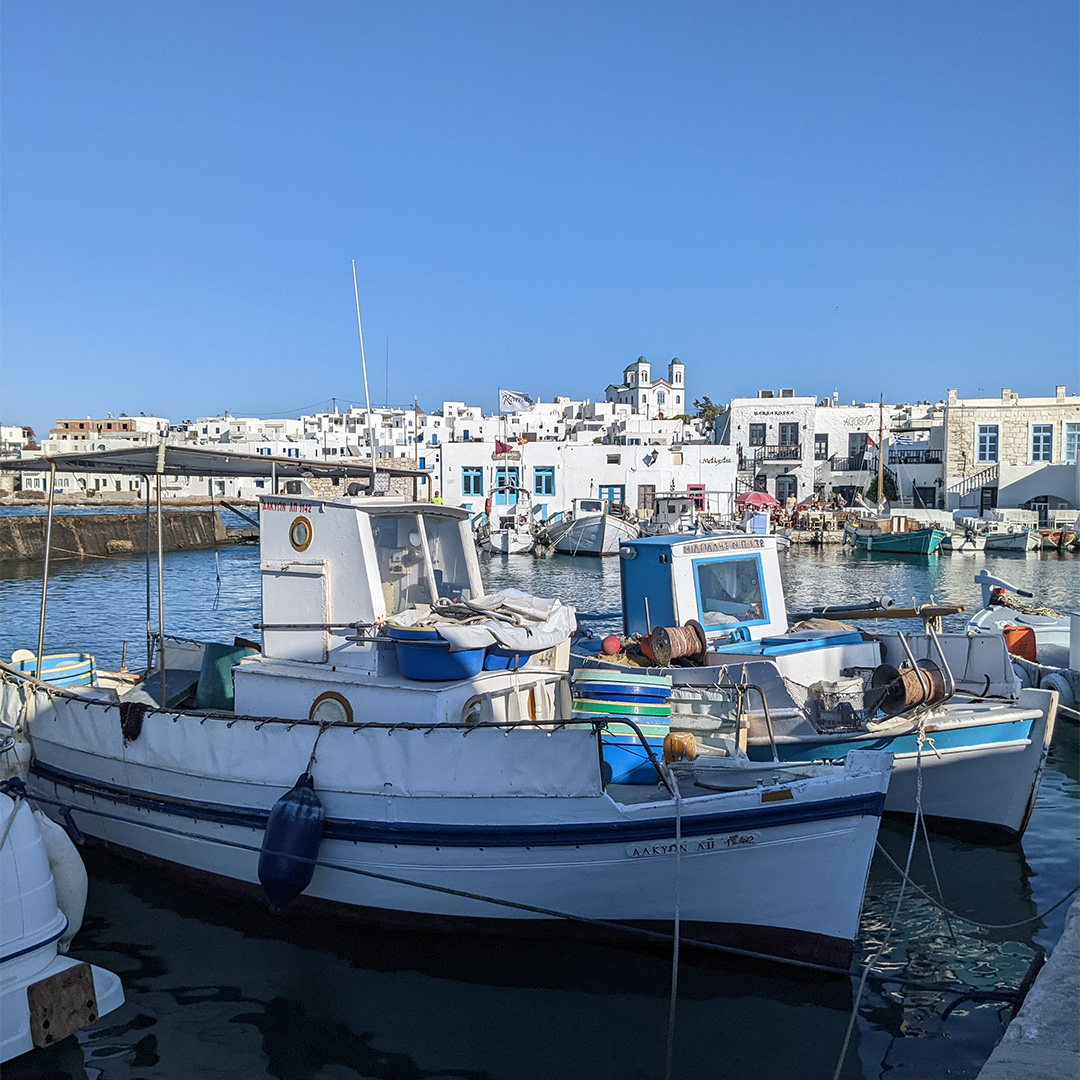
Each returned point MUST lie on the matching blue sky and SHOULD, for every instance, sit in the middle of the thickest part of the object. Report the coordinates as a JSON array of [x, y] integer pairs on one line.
[[872, 197]]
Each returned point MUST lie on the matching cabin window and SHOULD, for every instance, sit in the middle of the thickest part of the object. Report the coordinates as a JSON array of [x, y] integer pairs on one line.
[[729, 592], [449, 564], [544, 480], [472, 481]]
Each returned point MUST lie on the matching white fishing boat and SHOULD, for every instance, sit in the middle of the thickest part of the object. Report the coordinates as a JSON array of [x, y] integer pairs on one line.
[[967, 542], [1004, 605], [686, 512], [1002, 536], [45, 996], [710, 612], [511, 529], [404, 751], [589, 527]]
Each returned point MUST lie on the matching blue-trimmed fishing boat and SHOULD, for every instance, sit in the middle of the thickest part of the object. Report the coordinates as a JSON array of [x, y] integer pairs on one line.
[[969, 743], [437, 794]]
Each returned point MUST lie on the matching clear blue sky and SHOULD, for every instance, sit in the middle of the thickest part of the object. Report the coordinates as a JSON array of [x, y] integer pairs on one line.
[[876, 197]]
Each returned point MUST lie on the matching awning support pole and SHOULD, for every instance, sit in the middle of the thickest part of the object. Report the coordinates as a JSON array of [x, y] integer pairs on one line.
[[45, 572], [160, 596], [149, 626]]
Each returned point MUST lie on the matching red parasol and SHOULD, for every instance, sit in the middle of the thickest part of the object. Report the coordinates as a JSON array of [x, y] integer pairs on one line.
[[756, 499]]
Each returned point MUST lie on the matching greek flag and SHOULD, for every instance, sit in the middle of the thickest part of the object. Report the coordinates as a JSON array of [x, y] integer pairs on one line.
[[514, 401], [903, 440]]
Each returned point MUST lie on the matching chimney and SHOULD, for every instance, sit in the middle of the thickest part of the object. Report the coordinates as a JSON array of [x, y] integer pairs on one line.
[[1059, 393], [952, 397], [1006, 394]]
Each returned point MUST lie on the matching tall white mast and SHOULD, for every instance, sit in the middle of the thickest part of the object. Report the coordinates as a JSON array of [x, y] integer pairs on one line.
[[367, 396]]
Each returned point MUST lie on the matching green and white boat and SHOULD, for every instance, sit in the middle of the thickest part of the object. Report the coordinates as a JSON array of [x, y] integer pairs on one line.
[[874, 538]]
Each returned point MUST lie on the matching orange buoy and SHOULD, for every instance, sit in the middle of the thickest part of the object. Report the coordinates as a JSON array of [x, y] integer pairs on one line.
[[1020, 641], [680, 746]]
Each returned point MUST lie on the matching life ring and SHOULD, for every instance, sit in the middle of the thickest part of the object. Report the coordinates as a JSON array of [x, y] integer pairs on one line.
[[487, 507]]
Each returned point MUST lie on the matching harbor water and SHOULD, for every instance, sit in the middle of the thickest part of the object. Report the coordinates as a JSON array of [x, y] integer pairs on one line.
[[218, 989]]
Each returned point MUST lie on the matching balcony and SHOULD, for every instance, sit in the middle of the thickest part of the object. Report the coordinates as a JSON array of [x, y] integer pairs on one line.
[[907, 455], [777, 452], [855, 463]]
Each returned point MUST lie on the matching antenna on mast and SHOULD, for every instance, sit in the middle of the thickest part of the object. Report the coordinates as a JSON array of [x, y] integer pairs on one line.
[[367, 396]]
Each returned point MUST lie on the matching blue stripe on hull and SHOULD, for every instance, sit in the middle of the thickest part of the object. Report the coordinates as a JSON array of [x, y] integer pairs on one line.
[[964, 738], [424, 834]]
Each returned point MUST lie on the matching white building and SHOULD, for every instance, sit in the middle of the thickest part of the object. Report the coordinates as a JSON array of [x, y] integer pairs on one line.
[[557, 472], [654, 399], [1012, 452]]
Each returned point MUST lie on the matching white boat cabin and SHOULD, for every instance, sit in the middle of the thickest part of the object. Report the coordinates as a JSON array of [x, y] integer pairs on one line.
[[328, 565]]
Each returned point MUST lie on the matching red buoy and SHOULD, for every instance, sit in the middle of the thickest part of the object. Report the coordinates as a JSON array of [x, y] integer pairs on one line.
[[611, 645]]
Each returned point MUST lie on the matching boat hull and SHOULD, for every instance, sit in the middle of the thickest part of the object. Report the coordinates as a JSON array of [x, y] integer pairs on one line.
[[509, 542], [594, 534], [489, 864], [985, 774], [916, 542], [1012, 541]]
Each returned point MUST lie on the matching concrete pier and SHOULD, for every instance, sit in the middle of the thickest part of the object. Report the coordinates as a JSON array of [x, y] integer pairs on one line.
[[1043, 1040], [77, 536]]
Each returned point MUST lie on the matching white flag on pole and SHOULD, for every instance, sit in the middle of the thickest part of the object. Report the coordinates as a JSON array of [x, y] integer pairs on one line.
[[514, 401]]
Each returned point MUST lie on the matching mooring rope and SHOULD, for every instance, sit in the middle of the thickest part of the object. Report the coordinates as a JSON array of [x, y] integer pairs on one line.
[[892, 922], [670, 1059]]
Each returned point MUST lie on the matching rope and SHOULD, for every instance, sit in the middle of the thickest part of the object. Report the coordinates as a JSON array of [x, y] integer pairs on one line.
[[892, 922], [674, 786], [14, 796], [974, 922]]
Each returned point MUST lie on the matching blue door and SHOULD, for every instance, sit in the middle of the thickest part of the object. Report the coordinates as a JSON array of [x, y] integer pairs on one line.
[[506, 476], [613, 493]]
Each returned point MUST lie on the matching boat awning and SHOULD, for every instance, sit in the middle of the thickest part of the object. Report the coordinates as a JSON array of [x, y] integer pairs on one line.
[[191, 461]]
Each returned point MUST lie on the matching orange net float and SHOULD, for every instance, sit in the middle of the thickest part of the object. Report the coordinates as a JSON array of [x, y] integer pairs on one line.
[[680, 746], [665, 644]]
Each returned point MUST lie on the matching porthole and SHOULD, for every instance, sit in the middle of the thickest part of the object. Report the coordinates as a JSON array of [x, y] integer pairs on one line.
[[300, 533], [331, 708]]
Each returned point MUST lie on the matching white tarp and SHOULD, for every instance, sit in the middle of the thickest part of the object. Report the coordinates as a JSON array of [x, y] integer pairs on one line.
[[536, 624]]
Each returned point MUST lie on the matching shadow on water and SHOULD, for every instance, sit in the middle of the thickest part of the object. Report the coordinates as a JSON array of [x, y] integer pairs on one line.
[[217, 988]]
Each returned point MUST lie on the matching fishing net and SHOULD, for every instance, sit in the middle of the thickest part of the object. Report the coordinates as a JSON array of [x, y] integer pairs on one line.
[[840, 705]]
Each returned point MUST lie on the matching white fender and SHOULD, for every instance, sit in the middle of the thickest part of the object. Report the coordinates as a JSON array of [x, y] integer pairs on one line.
[[69, 875]]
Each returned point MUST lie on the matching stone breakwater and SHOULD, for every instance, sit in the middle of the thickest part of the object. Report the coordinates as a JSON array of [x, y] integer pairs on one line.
[[79, 536]]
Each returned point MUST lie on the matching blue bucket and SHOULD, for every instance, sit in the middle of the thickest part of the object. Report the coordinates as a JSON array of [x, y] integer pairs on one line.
[[432, 661]]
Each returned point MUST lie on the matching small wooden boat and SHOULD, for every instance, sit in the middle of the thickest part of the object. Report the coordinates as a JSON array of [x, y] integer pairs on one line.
[[912, 542], [1059, 539]]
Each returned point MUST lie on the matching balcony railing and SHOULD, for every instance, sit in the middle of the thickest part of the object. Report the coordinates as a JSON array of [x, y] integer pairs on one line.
[[781, 452], [855, 463], [905, 455]]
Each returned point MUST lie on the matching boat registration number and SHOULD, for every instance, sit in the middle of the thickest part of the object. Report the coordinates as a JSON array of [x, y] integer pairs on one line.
[[61, 1004], [696, 845]]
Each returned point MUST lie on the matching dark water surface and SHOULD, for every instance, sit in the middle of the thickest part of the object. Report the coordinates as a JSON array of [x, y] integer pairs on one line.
[[216, 989]]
